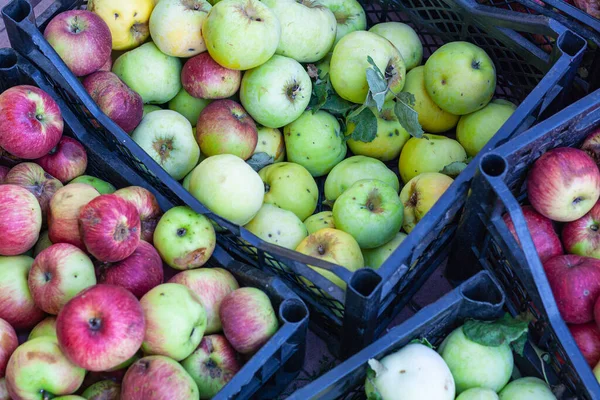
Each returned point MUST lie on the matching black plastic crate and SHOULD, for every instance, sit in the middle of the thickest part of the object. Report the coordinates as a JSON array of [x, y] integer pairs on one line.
[[349, 320], [483, 240], [280, 360]]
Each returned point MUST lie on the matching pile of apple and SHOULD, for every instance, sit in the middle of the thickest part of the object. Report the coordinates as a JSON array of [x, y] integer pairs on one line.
[[81, 266], [248, 101]]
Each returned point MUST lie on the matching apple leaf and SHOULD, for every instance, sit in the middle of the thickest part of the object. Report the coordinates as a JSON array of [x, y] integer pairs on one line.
[[454, 168], [378, 86], [365, 129], [407, 116], [320, 94], [374, 393], [495, 333], [422, 341], [336, 105], [260, 160]]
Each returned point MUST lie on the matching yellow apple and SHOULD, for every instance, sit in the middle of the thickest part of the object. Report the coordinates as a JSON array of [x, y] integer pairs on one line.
[[374, 258], [420, 194], [318, 221], [270, 141]]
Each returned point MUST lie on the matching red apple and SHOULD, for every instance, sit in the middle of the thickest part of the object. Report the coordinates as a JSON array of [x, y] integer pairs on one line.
[[107, 65], [224, 127], [204, 78], [121, 104], [563, 184], [101, 327], [33, 178], [81, 38], [575, 283], [138, 273], [248, 319], [8, 344], [3, 172], [582, 236], [110, 228], [20, 220], [591, 145], [147, 207], [587, 337], [66, 161], [542, 232], [63, 213], [31, 123]]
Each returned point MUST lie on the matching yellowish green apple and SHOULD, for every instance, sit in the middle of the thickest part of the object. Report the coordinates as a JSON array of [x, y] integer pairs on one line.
[[405, 39], [318, 221], [188, 106], [270, 141], [278, 226], [46, 327], [148, 108], [374, 258], [349, 16]]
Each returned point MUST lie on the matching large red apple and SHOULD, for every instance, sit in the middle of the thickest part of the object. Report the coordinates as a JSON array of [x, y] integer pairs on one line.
[[587, 337], [582, 236], [575, 283], [204, 78], [563, 184], [591, 145], [110, 228], [66, 161], [101, 327], [542, 232], [31, 123], [147, 207], [81, 38], [8, 344], [20, 220], [224, 127]]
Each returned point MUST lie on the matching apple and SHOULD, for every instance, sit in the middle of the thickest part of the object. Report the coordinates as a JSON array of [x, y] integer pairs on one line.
[[103, 390], [188, 106], [148, 108], [3, 172], [107, 66], [184, 239], [81, 38], [228, 187], [270, 141], [248, 319], [8, 344], [212, 365], [431, 117], [591, 145], [224, 127], [66, 161], [101, 327], [250, 29], [35, 115], [349, 63], [315, 141], [211, 285], [46, 327], [42, 243], [175, 321], [21, 215], [37, 181], [335, 246], [176, 26], [58, 274], [353, 169], [147, 206], [160, 81], [460, 78], [318, 221], [563, 184], [204, 78], [349, 16], [542, 232], [101, 186], [529, 388], [168, 138], [478, 394], [420, 194], [3, 390], [158, 377], [276, 92], [374, 258], [405, 39], [581, 237], [431, 153], [63, 213], [278, 226], [115, 99], [38, 369], [587, 337]]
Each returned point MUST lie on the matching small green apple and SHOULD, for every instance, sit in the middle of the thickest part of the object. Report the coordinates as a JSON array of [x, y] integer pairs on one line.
[[529, 388], [188, 106], [420, 194], [101, 186], [478, 394], [596, 371], [315, 141], [42, 244], [323, 66], [318, 221], [460, 77], [349, 16], [148, 108], [431, 153], [405, 39], [374, 258], [270, 141], [370, 211], [46, 327], [476, 129], [291, 187], [103, 390], [278, 226]]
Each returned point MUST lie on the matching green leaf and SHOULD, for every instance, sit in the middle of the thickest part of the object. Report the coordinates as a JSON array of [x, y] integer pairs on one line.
[[336, 105], [370, 388], [453, 169], [407, 116], [320, 94], [365, 129], [260, 160], [422, 341], [518, 345], [496, 333], [378, 86]]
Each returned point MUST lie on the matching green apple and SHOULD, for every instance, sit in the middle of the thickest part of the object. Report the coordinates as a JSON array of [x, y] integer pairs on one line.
[[149, 72], [278, 226], [431, 117], [228, 187], [478, 394], [184, 239], [148, 108], [270, 141], [188, 106], [527, 389], [476, 129], [323, 66], [460, 78], [431, 153], [405, 39], [596, 371], [353, 169], [276, 92], [321, 220], [241, 34], [175, 321], [103, 390], [348, 66], [420, 194], [334, 246], [101, 186], [46, 327], [42, 244], [349, 16], [168, 138], [370, 211], [291, 187], [390, 139], [374, 258], [315, 141]]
